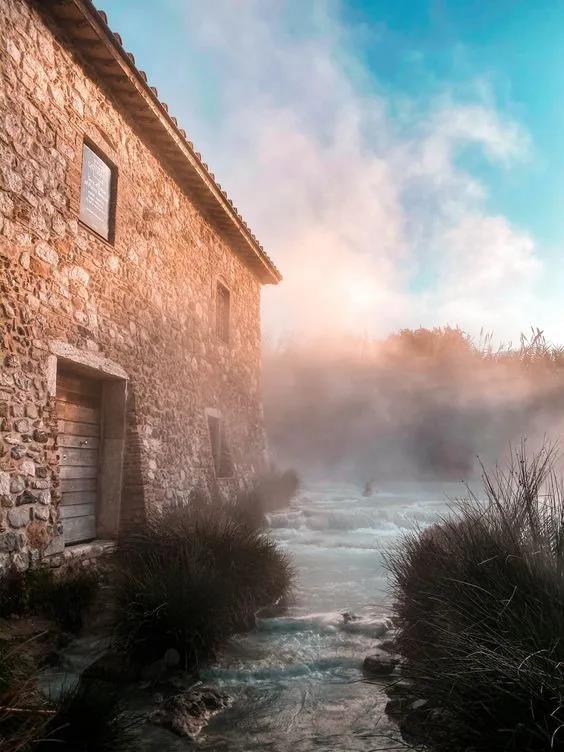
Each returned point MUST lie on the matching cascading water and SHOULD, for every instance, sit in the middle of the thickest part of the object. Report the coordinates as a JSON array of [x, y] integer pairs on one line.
[[297, 681]]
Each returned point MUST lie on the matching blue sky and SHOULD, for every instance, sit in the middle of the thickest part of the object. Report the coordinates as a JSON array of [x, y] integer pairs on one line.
[[409, 149], [516, 47]]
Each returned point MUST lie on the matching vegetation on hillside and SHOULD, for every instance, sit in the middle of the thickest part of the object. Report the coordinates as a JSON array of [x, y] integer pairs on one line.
[[480, 614]]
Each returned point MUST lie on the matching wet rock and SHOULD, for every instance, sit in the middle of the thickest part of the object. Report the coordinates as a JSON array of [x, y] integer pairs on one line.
[[388, 646], [402, 686], [379, 664], [367, 626], [414, 721], [348, 617], [186, 714]]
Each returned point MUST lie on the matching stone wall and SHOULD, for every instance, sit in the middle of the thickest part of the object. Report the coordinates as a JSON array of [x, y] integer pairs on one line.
[[145, 301]]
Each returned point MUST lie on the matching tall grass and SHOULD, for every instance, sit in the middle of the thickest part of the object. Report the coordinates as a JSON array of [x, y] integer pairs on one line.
[[190, 579], [480, 613], [63, 597], [88, 718]]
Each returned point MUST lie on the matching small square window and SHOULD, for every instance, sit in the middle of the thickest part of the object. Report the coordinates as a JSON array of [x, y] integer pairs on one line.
[[222, 312], [220, 452], [97, 192]]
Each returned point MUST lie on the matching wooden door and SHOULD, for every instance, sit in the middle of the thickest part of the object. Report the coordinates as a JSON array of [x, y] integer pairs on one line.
[[78, 417]]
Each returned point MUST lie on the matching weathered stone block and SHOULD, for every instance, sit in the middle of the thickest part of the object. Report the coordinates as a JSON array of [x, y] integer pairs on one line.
[[25, 498], [44, 497], [27, 467], [4, 483], [17, 484], [56, 546], [10, 542], [31, 410], [22, 425], [18, 451], [20, 516]]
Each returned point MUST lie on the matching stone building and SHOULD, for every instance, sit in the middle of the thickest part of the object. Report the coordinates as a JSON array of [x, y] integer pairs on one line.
[[129, 295]]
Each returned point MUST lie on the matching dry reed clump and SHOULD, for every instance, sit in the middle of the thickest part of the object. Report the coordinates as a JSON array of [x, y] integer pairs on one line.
[[190, 579], [480, 613]]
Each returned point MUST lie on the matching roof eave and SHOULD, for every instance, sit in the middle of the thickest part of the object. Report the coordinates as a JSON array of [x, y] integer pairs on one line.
[[101, 48]]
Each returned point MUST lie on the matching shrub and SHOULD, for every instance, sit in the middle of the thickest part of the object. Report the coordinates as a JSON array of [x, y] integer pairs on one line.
[[63, 597], [89, 718], [480, 614], [71, 595], [192, 578], [272, 490], [17, 728]]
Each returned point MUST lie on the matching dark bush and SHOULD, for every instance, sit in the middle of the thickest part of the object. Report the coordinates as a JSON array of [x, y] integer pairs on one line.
[[480, 613], [62, 597], [191, 579], [70, 597], [89, 718], [19, 703]]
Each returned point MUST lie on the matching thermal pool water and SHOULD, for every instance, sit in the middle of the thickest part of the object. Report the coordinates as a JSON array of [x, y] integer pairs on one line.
[[297, 682]]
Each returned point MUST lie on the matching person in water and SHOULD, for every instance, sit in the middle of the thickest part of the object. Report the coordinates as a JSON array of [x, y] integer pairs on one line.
[[368, 487]]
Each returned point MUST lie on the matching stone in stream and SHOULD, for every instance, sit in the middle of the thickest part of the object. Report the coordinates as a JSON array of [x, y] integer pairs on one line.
[[379, 664], [367, 626], [187, 713]]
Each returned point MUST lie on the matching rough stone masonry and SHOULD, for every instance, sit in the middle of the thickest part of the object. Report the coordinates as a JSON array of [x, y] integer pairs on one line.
[[136, 310]]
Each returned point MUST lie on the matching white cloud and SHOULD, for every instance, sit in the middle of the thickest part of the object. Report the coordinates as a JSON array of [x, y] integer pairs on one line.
[[350, 204]]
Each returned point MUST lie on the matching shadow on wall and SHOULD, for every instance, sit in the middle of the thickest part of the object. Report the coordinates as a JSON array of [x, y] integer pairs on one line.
[[136, 491]]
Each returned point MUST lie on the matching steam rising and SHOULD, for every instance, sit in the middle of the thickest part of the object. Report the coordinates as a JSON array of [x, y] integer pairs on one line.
[[418, 405], [359, 194], [365, 200]]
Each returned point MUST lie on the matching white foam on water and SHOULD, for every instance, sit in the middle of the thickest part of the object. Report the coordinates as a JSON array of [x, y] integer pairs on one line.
[[297, 679]]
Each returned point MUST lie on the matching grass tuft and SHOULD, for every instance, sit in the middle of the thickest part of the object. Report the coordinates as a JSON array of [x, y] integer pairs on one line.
[[63, 597], [480, 613], [89, 718], [190, 579]]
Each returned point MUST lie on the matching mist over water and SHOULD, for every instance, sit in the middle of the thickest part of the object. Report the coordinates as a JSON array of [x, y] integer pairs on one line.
[[386, 436], [297, 680], [422, 404]]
